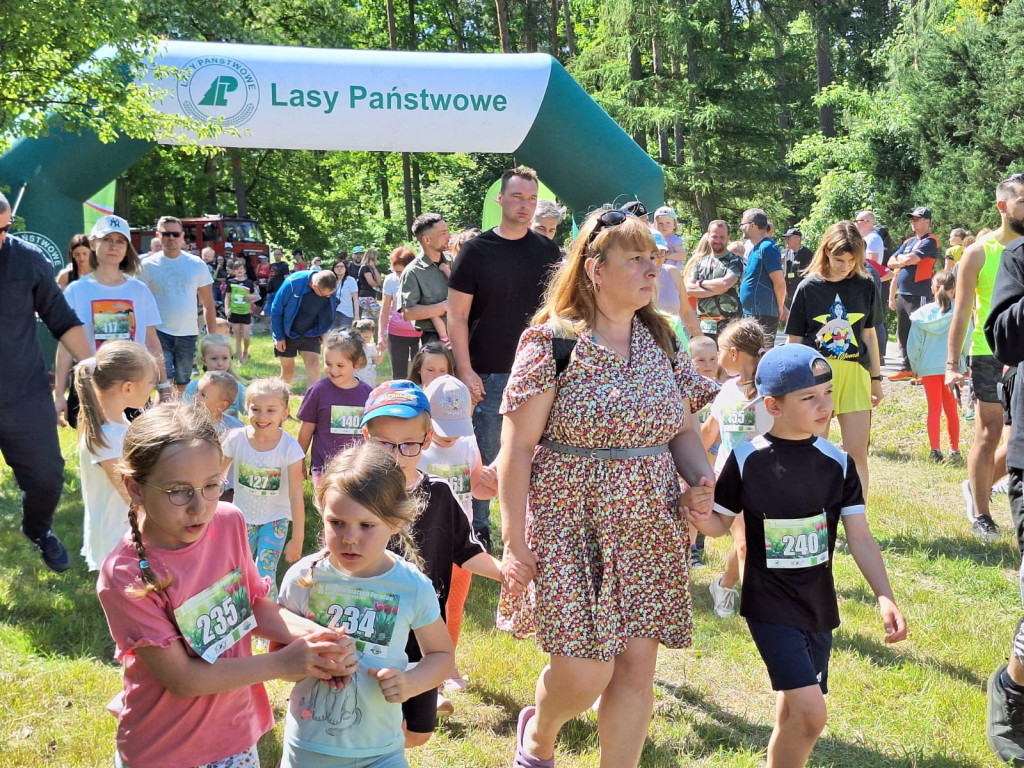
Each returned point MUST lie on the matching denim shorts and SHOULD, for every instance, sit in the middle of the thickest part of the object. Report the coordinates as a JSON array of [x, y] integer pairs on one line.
[[795, 658]]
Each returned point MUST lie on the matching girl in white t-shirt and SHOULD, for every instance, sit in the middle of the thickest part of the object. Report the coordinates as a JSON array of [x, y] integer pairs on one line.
[[738, 416], [121, 375], [266, 470]]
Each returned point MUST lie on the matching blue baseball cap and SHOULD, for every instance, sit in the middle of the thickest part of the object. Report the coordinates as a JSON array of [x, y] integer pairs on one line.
[[790, 367], [399, 398]]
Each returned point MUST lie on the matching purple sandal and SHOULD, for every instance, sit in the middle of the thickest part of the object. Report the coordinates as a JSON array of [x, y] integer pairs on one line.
[[524, 759]]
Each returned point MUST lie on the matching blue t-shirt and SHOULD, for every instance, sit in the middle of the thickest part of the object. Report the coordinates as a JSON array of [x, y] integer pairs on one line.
[[916, 280], [378, 613], [757, 292]]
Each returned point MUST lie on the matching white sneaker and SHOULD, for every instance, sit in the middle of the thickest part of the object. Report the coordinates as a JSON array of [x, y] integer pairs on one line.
[[1002, 486], [724, 597], [455, 682], [965, 488]]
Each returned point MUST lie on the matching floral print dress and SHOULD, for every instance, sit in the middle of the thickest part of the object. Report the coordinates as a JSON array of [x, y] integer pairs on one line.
[[612, 549]]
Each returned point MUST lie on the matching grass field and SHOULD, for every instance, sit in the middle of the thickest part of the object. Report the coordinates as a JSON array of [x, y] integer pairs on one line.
[[920, 703]]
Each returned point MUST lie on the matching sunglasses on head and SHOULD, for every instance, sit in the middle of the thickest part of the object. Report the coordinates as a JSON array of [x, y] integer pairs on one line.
[[607, 219]]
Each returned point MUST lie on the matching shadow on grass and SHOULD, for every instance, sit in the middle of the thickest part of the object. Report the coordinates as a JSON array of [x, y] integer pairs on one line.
[[999, 554], [878, 654], [57, 614], [895, 455], [722, 730]]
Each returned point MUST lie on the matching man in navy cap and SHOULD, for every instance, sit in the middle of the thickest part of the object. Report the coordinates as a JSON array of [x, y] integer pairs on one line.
[[915, 260]]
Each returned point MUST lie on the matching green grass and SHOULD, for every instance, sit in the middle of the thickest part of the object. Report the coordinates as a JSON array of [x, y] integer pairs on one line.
[[919, 704]]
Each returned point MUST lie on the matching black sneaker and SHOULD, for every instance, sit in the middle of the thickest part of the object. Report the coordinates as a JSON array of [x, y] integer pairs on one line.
[[483, 535], [984, 528], [696, 559], [1005, 725], [936, 456], [54, 553]]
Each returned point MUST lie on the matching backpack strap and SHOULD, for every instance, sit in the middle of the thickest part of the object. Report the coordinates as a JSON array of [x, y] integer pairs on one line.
[[561, 349]]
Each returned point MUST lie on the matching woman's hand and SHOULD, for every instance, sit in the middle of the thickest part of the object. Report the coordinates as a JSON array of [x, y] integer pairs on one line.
[[518, 564]]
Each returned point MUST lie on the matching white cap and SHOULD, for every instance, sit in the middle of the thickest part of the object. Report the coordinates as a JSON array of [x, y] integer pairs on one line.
[[106, 224], [451, 407]]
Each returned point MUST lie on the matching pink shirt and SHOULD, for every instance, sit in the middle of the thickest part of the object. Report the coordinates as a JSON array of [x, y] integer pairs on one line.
[[156, 728]]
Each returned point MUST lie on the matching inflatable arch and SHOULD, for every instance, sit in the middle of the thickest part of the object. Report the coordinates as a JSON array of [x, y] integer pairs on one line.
[[298, 98]]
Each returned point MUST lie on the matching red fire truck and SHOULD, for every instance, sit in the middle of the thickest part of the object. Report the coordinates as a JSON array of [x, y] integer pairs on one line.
[[244, 236]]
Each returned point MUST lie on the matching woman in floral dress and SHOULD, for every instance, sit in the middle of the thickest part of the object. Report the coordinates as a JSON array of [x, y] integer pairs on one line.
[[593, 514]]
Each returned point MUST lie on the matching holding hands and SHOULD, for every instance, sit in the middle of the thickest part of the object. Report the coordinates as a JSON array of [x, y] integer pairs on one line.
[[697, 501]]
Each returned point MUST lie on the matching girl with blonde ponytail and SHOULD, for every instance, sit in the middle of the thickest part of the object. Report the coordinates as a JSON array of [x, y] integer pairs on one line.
[[121, 375]]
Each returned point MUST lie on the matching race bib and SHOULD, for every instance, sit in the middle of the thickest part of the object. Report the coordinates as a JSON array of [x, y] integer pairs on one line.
[[239, 302], [368, 615], [456, 475], [739, 424], [260, 481], [797, 543], [703, 414], [345, 419], [113, 319], [709, 326], [216, 618]]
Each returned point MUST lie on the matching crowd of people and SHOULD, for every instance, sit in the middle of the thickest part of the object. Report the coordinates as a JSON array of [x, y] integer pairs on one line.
[[622, 399]]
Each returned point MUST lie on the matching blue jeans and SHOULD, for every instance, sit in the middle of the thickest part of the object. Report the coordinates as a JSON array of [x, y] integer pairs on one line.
[[487, 428], [179, 356]]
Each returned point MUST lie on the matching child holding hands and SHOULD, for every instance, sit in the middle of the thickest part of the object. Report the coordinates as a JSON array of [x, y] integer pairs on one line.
[[182, 599], [794, 488]]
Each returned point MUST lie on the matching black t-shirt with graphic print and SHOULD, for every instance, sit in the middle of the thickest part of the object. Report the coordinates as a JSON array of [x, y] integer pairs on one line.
[[792, 494], [831, 317]]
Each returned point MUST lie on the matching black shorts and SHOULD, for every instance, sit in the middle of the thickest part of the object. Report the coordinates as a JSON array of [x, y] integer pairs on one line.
[[794, 657], [986, 373], [420, 712], [239, 319], [302, 344]]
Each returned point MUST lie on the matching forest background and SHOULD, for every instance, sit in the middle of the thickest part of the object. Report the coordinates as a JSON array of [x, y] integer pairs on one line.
[[811, 109]]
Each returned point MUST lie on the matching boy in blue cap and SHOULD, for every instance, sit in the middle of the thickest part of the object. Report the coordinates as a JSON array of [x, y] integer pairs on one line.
[[397, 417], [793, 488]]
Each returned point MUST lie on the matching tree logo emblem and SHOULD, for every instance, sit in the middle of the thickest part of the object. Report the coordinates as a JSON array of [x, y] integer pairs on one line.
[[218, 87]]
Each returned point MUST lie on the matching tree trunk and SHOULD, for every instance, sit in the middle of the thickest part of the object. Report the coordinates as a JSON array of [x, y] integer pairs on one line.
[[570, 33], [210, 169], [392, 25], [823, 66], [407, 187], [417, 199], [553, 28], [503, 34], [123, 200], [636, 73], [781, 148], [382, 179], [238, 181]]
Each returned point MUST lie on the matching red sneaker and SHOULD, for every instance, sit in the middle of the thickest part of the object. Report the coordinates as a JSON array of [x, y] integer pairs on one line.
[[902, 376]]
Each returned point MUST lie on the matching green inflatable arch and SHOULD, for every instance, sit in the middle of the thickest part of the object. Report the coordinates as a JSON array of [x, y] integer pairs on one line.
[[301, 98]]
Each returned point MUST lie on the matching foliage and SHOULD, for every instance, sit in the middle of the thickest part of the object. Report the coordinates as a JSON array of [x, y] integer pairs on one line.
[[49, 75]]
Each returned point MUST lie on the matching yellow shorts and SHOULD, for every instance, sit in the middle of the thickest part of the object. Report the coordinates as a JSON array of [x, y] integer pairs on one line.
[[851, 386]]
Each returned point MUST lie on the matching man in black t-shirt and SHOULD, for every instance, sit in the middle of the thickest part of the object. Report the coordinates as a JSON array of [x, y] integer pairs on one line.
[[795, 260], [497, 283]]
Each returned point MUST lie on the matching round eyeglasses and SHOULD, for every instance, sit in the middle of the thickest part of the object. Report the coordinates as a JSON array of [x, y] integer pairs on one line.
[[180, 495]]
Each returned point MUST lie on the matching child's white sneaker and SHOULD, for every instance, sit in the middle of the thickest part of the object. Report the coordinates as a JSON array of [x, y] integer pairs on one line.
[[724, 597]]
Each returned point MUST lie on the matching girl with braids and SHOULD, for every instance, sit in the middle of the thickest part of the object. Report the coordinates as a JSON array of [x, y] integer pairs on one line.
[[738, 415], [377, 597], [122, 375], [182, 597]]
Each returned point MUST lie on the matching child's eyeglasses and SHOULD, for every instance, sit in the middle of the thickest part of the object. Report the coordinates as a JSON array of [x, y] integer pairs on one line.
[[409, 449], [180, 495]]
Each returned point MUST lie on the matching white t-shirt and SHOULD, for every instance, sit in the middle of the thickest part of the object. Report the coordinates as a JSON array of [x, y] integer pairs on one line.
[[739, 420], [455, 466], [106, 512], [368, 373], [873, 245], [261, 477], [348, 288], [111, 312], [175, 284]]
